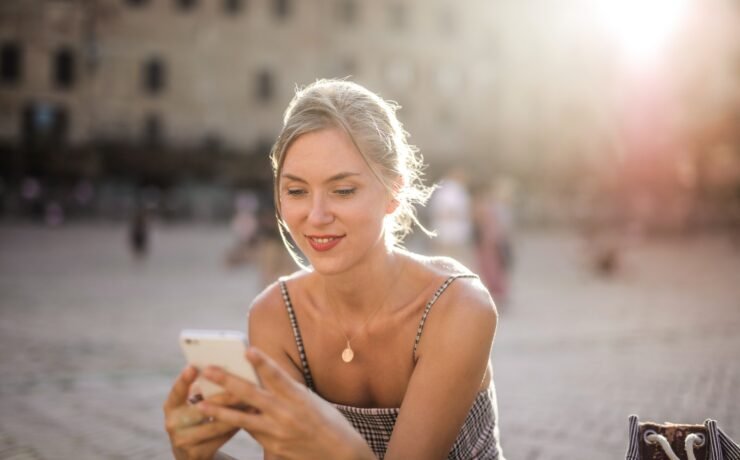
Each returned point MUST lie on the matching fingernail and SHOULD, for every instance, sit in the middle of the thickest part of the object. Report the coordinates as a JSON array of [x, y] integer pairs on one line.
[[253, 353]]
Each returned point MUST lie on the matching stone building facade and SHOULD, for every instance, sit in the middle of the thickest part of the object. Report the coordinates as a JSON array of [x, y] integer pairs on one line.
[[188, 73], [532, 89]]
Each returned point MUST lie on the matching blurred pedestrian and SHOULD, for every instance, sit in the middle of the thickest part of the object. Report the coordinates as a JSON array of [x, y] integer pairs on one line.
[[273, 260], [450, 211], [139, 234], [244, 226], [494, 224]]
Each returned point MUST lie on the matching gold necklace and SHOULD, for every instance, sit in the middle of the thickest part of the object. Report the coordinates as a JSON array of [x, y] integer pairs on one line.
[[348, 354]]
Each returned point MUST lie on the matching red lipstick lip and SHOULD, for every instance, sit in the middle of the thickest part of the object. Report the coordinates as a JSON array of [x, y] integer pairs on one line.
[[323, 246]]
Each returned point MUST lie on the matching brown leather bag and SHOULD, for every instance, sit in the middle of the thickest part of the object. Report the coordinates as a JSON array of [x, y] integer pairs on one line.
[[675, 434], [670, 441]]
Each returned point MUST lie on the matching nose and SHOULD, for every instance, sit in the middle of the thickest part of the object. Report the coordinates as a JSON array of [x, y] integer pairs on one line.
[[320, 214]]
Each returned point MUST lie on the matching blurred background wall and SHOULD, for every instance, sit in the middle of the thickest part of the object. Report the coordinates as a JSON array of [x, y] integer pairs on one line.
[[598, 111]]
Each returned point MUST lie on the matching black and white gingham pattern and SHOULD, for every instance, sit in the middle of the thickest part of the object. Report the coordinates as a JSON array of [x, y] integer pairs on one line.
[[297, 334], [721, 447], [478, 437], [374, 424]]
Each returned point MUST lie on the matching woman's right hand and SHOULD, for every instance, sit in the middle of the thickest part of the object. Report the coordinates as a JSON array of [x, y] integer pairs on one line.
[[192, 435]]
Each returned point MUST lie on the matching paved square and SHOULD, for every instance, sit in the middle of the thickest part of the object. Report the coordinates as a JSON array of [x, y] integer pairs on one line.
[[89, 340]]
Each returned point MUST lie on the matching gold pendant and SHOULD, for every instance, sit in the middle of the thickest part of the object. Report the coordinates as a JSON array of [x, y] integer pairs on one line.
[[348, 355]]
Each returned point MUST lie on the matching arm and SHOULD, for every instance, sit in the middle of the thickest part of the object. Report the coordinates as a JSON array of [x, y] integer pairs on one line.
[[268, 333], [452, 366], [289, 421]]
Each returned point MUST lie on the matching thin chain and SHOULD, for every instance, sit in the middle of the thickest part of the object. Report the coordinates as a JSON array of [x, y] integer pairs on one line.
[[372, 315]]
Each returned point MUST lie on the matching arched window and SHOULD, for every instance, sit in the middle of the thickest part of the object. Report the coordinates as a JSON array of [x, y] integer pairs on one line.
[[137, 3], [265, 86], [154, 75], [347, 11], [233, 6], [64, 68], [281, 8], [185, 5], [11, 63]]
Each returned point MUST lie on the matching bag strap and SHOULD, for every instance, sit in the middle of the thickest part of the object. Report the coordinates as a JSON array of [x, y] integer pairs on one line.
[[691, 441]]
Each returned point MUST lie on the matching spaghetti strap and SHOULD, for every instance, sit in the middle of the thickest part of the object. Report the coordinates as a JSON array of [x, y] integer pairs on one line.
[[297, 334], [431, 302]]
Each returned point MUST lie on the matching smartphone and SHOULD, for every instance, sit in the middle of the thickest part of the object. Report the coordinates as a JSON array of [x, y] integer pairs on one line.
[[221, 348]]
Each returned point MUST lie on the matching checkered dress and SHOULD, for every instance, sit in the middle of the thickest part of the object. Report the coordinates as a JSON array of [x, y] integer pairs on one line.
[[478, 437]]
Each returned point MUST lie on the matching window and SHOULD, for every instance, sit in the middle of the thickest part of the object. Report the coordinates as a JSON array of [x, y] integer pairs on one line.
[[154, 76], [265, 87], [233, 6], [398, 16], [153, 130], [186, 4], [347, 11], [281, 8], [63, 69], [11, 63], [448, 21], [44, 125]]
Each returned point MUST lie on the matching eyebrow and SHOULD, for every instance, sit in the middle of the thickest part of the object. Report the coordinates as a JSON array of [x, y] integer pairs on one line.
[[334, 178]]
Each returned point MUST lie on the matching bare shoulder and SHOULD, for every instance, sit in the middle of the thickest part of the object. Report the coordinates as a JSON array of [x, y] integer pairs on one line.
[[467, 294], [268, 310], [270, 329], [266, 306], [444, 265], [465, 302]]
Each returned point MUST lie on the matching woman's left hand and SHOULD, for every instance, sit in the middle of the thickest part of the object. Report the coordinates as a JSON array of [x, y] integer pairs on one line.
[[288, 420]]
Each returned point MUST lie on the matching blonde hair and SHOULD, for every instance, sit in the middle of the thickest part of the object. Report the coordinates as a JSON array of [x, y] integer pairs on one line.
[[372, 125]]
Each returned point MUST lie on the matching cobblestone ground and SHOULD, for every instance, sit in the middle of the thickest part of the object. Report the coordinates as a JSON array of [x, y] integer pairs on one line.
[[88, 340]]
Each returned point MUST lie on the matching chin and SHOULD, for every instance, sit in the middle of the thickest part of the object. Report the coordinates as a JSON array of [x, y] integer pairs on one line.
[[323, 266]]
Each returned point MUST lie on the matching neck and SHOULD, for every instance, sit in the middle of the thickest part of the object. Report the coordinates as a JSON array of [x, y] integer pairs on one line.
[[361, 290]]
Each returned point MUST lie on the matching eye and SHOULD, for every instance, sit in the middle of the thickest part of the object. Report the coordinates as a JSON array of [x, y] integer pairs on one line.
[[296, 191], [345, 191]]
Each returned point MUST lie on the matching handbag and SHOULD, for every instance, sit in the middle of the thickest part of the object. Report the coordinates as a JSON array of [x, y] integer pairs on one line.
[[671, 441]]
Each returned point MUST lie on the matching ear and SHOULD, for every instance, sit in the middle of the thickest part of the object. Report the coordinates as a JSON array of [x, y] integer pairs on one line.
[[392, 206], [393, 202]]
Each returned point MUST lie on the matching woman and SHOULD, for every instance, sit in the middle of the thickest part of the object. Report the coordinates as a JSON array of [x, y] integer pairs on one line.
[[372, 352], [493, 229]]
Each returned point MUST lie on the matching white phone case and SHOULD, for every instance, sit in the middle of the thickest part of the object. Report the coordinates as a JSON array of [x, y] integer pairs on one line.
[[221, 348]]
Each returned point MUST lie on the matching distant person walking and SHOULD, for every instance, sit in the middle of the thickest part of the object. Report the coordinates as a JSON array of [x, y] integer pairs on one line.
[[451, 218], [244, 225], [139, 234], [494, 223], [272, 258]]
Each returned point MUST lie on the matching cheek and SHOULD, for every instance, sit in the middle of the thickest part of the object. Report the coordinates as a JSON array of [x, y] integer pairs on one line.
[[291, 214], [369, 216]]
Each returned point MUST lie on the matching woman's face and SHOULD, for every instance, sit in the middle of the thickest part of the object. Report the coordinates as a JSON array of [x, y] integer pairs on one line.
[[330, 200]]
